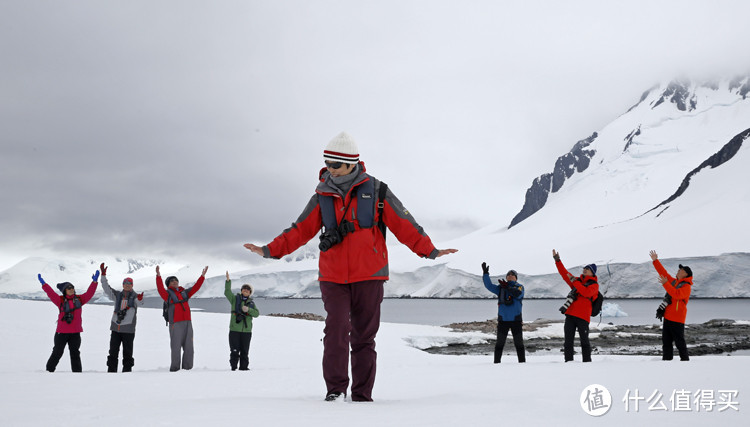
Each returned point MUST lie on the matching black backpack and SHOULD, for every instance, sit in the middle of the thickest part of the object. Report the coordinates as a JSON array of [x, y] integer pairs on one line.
[[596, 305]]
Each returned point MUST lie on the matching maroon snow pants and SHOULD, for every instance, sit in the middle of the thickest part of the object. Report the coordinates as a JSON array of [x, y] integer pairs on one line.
[[353, 318]]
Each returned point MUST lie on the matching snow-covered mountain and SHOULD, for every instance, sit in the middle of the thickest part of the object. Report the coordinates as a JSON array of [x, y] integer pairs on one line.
[[725, 276], [669, 174]]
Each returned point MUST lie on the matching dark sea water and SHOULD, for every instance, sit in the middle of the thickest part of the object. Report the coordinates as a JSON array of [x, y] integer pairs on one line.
[[446, 311]]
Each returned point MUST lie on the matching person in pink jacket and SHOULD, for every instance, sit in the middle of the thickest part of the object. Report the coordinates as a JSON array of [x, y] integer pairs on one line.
[[69, 321]]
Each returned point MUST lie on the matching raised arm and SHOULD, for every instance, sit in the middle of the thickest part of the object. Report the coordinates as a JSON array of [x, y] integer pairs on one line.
[[495, 289], [53, 296], [105, 283], [586, 291], [564, 273], [228, 289], [160, 286], [86, 297], [406, 229], [198, 283], [659, 267], [305, 228], [677, 294]]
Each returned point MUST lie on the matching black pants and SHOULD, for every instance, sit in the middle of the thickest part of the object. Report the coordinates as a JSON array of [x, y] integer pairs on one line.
[[126, 340], [239, 347], [571, 324], [673, 332], [73, 341], [516, 328]]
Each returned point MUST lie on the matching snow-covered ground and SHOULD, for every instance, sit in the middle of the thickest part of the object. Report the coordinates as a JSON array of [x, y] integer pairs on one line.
[[285, 387]]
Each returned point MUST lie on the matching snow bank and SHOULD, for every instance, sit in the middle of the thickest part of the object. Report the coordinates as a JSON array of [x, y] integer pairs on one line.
[[285, 387]]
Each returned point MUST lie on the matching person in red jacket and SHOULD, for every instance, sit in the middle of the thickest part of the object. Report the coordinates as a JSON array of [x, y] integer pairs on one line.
[[180, 322], [577, 308], [673, 308], [353, 262], [69, 320]]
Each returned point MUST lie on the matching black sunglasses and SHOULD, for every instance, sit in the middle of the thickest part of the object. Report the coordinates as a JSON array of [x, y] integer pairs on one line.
[[334, 165]]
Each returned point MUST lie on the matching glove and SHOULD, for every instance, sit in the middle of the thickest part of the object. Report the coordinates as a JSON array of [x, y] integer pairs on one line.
[[244, 309], [95, 277], [103, 269], [39, 276], [485, 268], [556, 257], [659, 314], [140, 296], [503, 283]]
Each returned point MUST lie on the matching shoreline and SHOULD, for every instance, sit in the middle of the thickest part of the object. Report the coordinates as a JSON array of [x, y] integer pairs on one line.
[[544, 336]]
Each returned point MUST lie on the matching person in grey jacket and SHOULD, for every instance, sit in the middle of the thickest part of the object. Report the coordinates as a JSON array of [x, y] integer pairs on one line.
[[126, 304]]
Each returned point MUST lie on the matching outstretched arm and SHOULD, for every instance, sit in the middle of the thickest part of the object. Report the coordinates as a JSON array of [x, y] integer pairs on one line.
[[495, 289], [86, 297], [160, 285], [406, 229], [228, 289], [198, 283], [659, 267], [305, 228], [105, 283], [564, 273]]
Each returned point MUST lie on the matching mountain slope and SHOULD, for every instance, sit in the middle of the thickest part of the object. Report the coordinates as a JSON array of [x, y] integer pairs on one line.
[[669, 174]]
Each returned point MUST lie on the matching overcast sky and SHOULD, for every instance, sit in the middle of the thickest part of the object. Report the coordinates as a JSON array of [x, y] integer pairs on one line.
[[181, 128]]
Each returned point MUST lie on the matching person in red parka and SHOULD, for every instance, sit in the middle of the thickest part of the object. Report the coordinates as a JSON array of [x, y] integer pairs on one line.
[[353, 262], [673, 308], [69, 320], [179, 319], [577, 308]]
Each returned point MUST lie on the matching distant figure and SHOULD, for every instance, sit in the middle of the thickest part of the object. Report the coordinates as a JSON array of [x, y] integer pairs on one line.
[[126, 304], [509, 306], [240, 324], [178, 316], [673, 308], [69, 320], [354, 209], [577, 307]]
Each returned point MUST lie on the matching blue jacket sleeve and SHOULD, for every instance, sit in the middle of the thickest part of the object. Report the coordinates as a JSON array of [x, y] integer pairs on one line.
[[495, 289], [518, 291]]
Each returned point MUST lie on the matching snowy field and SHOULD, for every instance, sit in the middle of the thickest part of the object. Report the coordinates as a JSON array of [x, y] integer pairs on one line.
[[285, 387]]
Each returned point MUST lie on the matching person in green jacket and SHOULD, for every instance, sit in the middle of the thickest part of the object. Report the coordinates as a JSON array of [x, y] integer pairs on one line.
[[241, 324]]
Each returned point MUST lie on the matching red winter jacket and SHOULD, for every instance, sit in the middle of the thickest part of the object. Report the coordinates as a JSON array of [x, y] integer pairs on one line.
[[588, 289], [181, 311], [677, 311], [76, 325], [362, 255]]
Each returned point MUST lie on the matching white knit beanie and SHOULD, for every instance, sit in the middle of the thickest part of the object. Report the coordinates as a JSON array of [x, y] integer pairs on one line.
[[342, 148]]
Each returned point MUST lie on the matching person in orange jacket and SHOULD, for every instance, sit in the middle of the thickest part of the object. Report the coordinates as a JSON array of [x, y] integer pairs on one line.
[[577, 307], [673, 308]]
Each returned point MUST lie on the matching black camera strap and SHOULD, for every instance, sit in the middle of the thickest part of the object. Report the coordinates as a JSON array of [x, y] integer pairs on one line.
[[65, 304], [381, 204], [346, 208]]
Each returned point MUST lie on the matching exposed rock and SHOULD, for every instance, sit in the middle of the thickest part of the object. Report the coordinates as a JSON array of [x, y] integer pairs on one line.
[[716, 336], [629, 138], [727, 152], [742, 85], [303, 316], [678, 93], [577, 160]]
